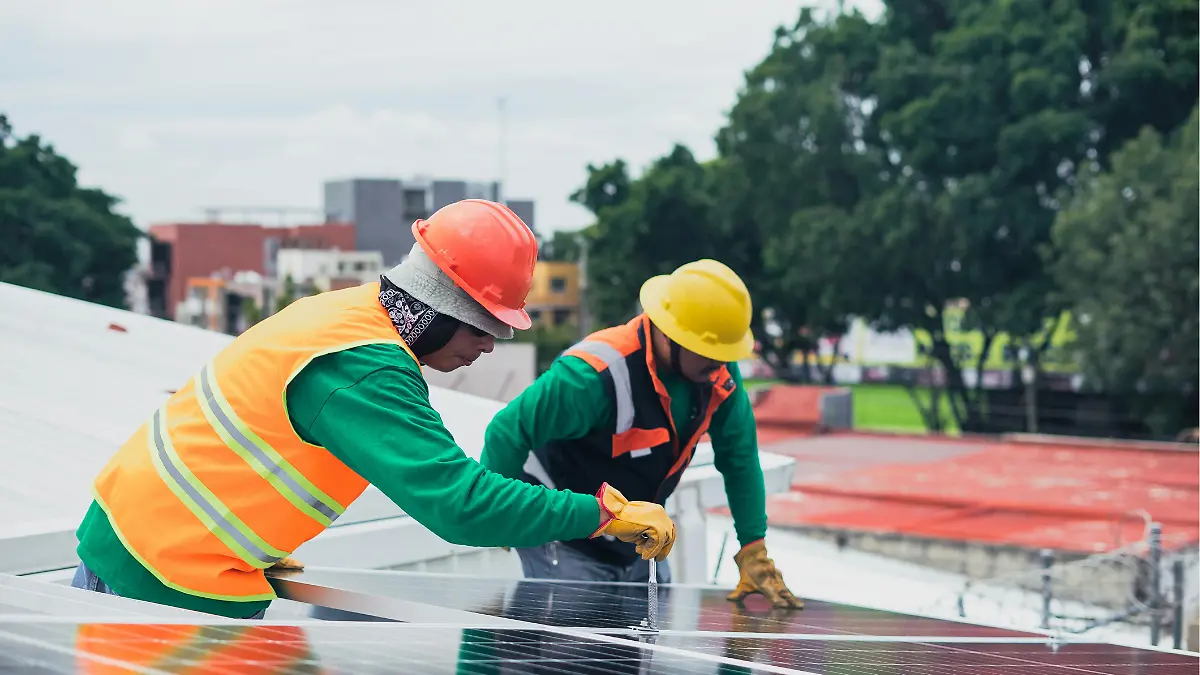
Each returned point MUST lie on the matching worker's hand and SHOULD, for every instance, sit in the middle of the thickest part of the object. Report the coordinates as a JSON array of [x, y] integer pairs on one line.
[[645, 524], [287, 564], [760, 576]]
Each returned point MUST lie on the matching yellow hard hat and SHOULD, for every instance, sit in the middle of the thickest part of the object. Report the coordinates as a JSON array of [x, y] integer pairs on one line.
[[704, 307]]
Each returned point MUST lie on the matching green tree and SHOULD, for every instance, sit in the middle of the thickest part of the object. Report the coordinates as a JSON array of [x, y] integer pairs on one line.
[[648, 226], [561, 247], [287, 294], [948, 134], [892, 169], [793, 170], [251, 312], [56, 236], [1127, 266]]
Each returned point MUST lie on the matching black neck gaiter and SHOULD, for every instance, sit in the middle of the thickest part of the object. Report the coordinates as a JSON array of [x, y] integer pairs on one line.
[[424, 329]]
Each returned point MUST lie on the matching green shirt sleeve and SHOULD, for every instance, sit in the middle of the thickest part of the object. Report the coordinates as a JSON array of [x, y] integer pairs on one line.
[[735, 454], [369, 406], [567, 402]]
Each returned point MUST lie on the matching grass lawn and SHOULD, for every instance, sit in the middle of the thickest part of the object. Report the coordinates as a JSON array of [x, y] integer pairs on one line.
[[883, 407], [888, 407]]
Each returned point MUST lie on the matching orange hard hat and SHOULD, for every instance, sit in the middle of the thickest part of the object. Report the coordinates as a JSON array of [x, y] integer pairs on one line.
[[487, 250]]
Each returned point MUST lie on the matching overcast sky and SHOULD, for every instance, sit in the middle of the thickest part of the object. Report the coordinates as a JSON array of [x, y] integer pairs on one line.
[[178, 105]]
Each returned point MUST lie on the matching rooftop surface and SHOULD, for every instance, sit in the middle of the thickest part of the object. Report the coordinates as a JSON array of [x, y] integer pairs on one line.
[[1079, 497]]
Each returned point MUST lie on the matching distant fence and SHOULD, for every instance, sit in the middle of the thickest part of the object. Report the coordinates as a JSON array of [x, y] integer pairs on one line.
[[1060, 409], [1137, 584]]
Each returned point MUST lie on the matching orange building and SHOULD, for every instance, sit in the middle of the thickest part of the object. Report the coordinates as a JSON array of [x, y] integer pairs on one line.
[[554, 298]]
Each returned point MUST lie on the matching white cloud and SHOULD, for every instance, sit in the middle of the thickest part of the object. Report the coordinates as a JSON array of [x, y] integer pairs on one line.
[[177, 105]]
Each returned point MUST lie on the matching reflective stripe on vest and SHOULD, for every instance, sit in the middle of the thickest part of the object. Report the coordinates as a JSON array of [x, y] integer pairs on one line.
[[624, 401], [217, 484], [266, 461], [620, 377], [201, 501]]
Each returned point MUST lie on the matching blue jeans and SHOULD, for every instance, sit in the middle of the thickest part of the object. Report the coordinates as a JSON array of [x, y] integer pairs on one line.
[[559, 561], [86, 579]]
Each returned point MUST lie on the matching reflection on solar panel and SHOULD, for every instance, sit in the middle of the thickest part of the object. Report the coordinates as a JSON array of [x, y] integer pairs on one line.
[[323, 648], [469, 625]]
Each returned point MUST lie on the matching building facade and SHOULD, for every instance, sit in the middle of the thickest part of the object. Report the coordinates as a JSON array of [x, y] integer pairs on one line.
[[554, 297], [384, 209], [226, 304], [379, 209], [320, 270], [183, 251]]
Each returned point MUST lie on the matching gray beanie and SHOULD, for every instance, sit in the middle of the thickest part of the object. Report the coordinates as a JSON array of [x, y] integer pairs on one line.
[[421, 278]]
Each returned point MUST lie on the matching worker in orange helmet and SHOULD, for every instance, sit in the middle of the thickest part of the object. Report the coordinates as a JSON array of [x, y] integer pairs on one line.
[[274, 437], [627, 406]]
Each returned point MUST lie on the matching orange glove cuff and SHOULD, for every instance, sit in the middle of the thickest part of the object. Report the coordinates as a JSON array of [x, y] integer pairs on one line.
[[606, 514], [757, 543]]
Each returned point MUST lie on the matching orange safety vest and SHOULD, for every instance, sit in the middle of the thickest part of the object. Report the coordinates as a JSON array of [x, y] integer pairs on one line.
[[217, 486], [646, 451], [115, 648]]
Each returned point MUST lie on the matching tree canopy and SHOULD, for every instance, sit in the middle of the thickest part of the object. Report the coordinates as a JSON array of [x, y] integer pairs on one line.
[[55, 235], [891, 169], [1128, 265]]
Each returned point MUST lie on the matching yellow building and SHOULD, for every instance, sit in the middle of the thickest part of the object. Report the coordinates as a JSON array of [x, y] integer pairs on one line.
[[554, 297]]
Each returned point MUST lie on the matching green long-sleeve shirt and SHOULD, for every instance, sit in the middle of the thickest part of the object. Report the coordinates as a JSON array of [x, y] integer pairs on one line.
[[568, 401], [369, 406]]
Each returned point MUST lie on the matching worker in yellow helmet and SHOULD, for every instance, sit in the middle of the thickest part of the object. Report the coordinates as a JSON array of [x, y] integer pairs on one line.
[[627, 406]]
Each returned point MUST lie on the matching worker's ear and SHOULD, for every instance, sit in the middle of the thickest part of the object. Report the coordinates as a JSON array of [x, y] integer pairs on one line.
[[660, 344]]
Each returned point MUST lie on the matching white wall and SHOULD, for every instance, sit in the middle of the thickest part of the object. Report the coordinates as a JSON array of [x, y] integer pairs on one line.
[[500, 376], [318, 266]]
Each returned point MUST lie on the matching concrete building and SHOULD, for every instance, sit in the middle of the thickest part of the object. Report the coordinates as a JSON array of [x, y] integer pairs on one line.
[[182, 251], [380, 209], [524, 209], [384, 209], [554, 297], [445, 192], [320, 270]]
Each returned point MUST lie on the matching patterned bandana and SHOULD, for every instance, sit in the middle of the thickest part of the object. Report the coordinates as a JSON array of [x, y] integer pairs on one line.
[[410, 316]]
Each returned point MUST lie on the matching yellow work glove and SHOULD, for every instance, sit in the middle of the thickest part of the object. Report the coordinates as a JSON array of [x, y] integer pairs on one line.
[[645, 524], [287, 564], [760, 576]]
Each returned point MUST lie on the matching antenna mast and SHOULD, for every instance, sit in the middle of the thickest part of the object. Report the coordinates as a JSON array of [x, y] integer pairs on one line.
[[503, 149]]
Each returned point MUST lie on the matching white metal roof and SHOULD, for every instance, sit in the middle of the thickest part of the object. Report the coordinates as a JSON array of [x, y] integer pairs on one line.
[[72, 389]]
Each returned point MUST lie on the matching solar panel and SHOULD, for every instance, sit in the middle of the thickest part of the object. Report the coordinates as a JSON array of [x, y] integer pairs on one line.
[[455, 624], [613, 605], [823, 638], [224, 647]]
